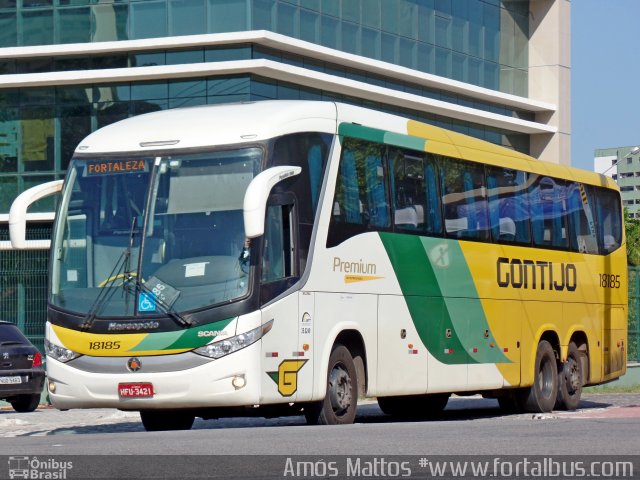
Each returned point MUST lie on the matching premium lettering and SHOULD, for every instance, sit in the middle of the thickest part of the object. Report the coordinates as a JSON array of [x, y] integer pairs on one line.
[[536, 275], [353, 267]]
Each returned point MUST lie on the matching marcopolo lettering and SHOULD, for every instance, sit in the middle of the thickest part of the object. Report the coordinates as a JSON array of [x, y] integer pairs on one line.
[[536, 275]]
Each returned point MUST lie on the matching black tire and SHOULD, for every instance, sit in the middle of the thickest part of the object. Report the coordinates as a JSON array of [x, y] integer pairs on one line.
[[165, 420], [340, 402], [414, 406], [541, 396], [570, 380], [25, 403]]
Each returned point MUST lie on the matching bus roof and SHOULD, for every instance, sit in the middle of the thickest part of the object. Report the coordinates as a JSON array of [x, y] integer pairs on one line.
[[210, 125], [228, 124]]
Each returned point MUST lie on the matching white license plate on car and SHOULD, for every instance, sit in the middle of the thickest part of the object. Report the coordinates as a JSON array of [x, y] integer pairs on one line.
[[10, 380]]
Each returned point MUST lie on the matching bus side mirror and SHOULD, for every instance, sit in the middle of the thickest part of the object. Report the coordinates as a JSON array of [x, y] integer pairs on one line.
[[255, 198], [18, 215]]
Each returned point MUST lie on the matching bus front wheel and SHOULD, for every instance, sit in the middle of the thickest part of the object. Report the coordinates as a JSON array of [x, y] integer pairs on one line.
[[541, 396], [164, 420], [340, 401]]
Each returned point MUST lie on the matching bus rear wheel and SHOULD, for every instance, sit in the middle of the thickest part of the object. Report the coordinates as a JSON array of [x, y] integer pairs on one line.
[[541, 396], [340, 401], [165, 420], [570, 380], [414, 406]]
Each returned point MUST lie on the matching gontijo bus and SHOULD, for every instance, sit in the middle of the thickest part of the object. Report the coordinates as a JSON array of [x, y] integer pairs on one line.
[[289, 256]]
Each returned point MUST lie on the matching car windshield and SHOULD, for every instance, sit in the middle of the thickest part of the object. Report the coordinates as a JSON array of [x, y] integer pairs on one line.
[[190, 209]]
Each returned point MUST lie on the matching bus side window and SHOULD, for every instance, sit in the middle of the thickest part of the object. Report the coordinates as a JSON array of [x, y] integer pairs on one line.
[[414, 192], [278, 261], [609, 220], [508, 209], [582, 218], [361, 200], [549, 212], [464, 199]]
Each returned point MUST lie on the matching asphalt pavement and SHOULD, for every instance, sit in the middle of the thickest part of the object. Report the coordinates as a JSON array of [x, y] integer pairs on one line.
[[46, 420]]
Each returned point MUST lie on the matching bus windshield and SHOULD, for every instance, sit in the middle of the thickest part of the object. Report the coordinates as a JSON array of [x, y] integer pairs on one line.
[[190, 254]]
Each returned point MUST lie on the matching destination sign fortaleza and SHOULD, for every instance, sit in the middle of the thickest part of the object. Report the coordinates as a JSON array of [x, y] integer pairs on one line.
[[115, 166]]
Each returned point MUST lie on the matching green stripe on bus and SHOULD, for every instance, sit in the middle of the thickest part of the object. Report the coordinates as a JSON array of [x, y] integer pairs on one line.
[[181, 339], [406, 141], [381, 136], [424, 299], [461, 297], [442, 299]]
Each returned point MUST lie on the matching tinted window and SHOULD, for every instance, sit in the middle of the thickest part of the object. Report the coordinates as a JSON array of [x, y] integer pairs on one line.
[[549, 213], [414, 192], [464, 199], [361, 202], [508, 206], [609, 220], [310, 151], [583, 236]]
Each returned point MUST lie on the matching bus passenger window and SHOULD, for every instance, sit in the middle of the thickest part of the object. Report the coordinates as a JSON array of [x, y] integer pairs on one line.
[[361, 202], [549, 212], [414, 193], [582, 218], [508, 207], [609, 220], [464, 199]]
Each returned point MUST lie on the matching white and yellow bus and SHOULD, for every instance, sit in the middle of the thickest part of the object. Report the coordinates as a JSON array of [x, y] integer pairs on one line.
[[282, 257]]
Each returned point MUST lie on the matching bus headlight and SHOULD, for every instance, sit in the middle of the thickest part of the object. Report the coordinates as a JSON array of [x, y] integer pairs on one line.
[[233, 344], [59, 353]]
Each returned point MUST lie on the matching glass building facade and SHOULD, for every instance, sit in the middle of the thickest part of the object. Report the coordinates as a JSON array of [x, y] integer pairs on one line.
[[478, 42], [481, 42], [469, 55]]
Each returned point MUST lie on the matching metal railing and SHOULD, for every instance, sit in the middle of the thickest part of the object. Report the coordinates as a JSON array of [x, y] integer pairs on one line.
[[633, 352], [23, 284]]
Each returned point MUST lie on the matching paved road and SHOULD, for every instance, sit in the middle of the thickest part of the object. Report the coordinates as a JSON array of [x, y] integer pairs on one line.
[[89, 441], [603, 424]]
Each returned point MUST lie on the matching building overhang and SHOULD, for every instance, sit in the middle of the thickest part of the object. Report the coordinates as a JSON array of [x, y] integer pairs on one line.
[[282, 72]]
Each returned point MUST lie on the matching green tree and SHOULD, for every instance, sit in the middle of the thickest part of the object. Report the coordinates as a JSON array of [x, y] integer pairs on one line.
[[632, 228]]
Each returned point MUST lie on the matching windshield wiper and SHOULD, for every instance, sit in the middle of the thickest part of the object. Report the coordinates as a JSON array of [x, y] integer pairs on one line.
[[120, 270]]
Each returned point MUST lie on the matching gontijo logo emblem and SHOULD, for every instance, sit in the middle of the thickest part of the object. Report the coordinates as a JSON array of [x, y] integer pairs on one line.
[[287, 376]]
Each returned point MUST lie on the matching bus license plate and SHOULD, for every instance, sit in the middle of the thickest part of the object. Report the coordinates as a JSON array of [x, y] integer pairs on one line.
[[10, 380], [135, 390]]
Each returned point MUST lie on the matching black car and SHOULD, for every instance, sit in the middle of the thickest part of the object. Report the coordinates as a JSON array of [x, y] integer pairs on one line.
[[21, 372]]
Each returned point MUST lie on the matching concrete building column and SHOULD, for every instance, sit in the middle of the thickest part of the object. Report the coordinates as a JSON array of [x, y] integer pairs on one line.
[[550, 76]]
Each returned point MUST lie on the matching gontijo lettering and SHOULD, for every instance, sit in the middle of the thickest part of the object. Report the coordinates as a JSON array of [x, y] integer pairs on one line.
[[115, 166], [517, 273]]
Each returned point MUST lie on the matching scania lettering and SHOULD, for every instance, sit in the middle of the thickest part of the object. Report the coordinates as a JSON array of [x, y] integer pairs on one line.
[[289, 257]]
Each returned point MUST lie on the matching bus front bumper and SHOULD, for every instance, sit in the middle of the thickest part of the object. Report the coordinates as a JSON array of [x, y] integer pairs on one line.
[[233, 380]]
